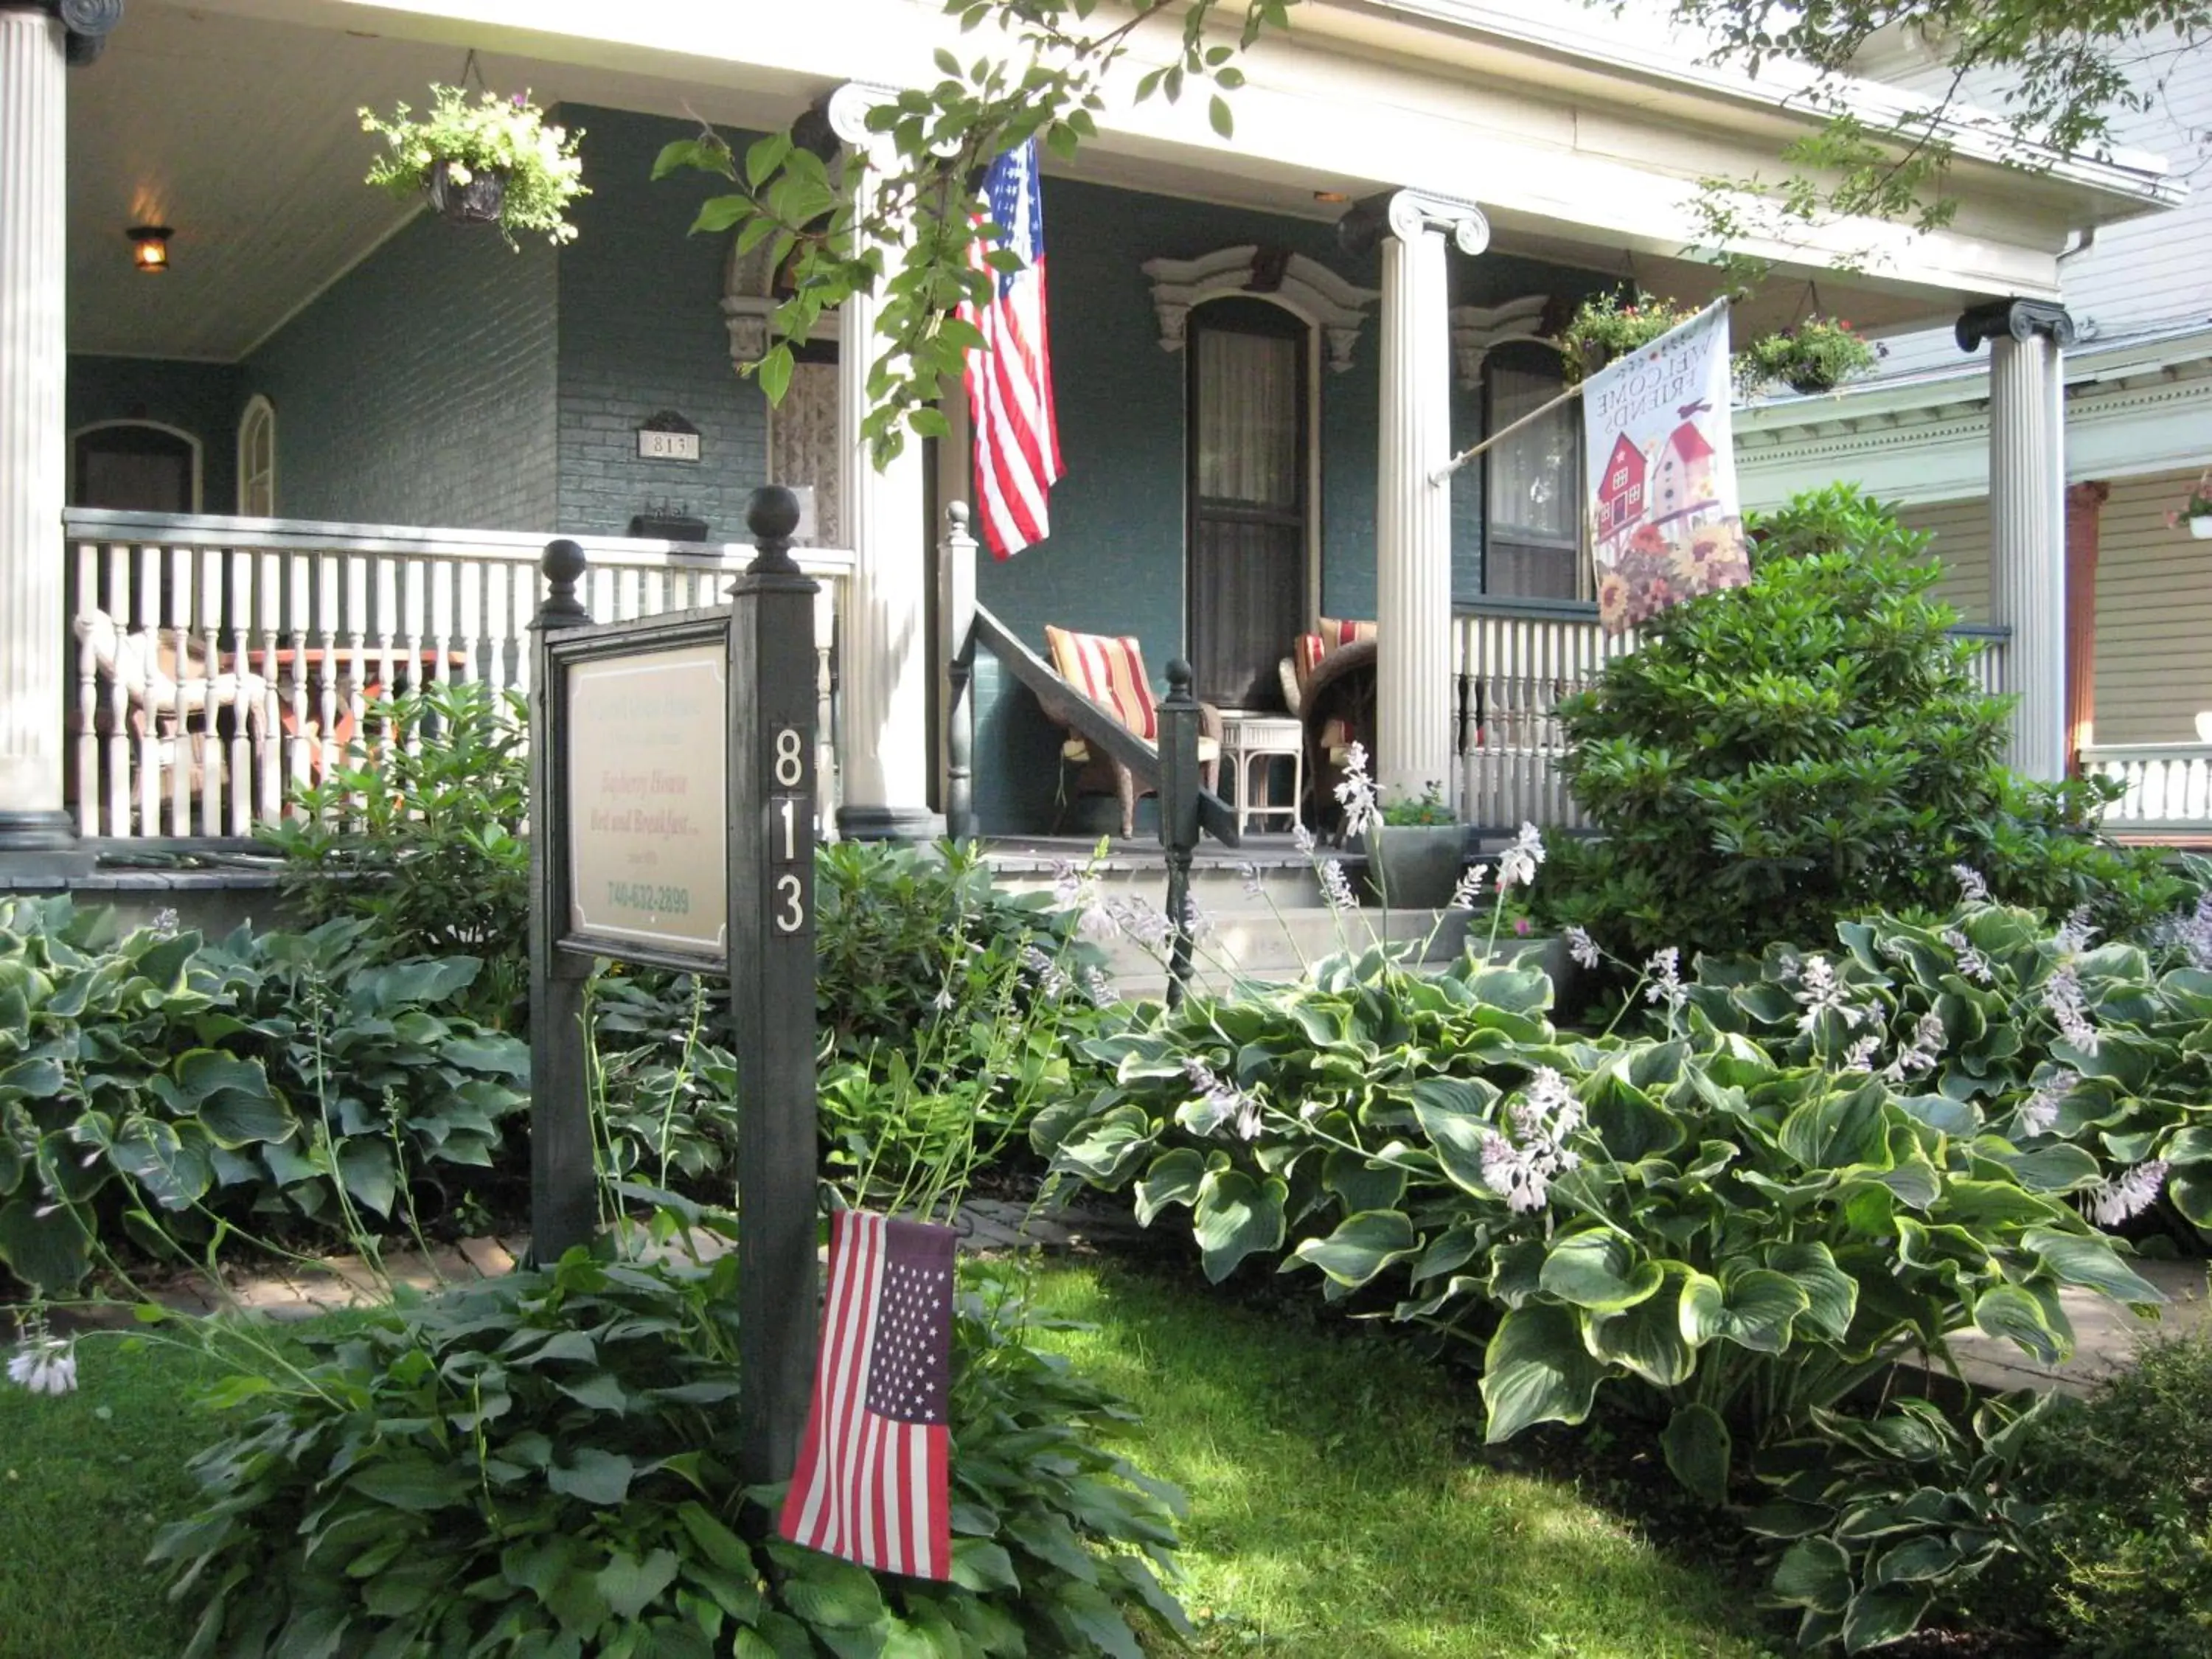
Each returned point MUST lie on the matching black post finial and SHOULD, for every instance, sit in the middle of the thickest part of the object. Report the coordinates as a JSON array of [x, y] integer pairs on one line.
[[1178, 680], [771, 515], [563, 564]]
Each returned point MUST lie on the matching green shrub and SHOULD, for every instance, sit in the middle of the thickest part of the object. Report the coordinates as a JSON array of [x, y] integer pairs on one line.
[[172, 1087], [545, 1464], [2127, 1480], [1773, 758], [420, 836]]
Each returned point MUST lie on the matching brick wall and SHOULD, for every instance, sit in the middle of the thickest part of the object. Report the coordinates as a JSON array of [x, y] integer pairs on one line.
[[419, 388], [641, 330], [202, 399]]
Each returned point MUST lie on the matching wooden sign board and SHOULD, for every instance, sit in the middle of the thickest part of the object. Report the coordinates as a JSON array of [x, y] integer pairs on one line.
[[641, 713]]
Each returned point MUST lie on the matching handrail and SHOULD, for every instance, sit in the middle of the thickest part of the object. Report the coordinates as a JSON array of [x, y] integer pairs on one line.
[[320, 536], [1509, 604], [1095, 725]]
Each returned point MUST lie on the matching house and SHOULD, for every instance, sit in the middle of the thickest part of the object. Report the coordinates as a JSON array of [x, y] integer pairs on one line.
[[318, 448], [1620, 497], [2130, 590], [1683, 480]]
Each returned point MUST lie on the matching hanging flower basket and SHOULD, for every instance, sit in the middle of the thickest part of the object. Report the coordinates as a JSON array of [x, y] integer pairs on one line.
[[2196, 511], [485, 159], [1813, 358], [1606, 326], [476, 202]]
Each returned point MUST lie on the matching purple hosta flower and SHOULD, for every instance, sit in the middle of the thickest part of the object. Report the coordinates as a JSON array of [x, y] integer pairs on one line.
[[1971, 962], [1521, 1170], [1220, 1101], [2193, 933], [1095, 921], [1050, 981], [2134, 1191], [1469, 888], [1067, 885], [2074, 934], [1097, 987], [1302, 839], [1252, 887], [44, 1365], [1195, 922], [1922, 1053], [2039, 1115], [1666, 970], [1583, 948], [1356, 793], [1972, 890], [166, 921], [1859, 1057], [1336, 887], [1517, 864], [1141, 920], [1820, 992], [943, 1001], [2069, 1008]]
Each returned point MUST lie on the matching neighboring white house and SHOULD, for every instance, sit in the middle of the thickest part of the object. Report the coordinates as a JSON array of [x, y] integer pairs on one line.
[[1498, 160], [2138, 436]]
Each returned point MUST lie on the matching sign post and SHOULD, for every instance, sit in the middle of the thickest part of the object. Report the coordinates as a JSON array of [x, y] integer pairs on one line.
[[672, 803], [771, 955]]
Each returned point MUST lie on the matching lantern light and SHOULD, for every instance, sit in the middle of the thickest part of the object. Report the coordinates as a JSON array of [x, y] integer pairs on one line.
[[149, 247]]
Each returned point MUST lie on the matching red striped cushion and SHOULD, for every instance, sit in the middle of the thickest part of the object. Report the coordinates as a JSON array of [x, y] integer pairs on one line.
[[1110, 671], [1334, 633]]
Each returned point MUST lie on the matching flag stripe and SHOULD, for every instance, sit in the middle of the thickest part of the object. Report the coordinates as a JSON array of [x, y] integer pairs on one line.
[[1016, 438]]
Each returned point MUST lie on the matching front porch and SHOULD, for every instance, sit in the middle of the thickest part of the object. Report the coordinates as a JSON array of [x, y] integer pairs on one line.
[[1256, 389]]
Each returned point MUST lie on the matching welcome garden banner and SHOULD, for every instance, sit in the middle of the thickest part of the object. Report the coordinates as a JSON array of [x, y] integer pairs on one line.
[[1663, 509]]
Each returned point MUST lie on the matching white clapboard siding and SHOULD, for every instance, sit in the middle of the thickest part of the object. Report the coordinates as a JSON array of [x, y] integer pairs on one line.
[[1961, 530], [2154, 617]]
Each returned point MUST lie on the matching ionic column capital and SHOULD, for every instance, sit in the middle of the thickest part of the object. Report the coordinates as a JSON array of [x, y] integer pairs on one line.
[[2016, 319], [1409, 214], [848, 108], [86, 23]]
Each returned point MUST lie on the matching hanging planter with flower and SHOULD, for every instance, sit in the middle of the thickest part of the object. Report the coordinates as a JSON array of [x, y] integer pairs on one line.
[[484, 160], [1814, 357], [2196, 511], [1604, 326]]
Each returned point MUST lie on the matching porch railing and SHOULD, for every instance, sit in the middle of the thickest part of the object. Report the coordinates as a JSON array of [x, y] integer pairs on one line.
[[219, 661], [1514, 660], [2168, 786]]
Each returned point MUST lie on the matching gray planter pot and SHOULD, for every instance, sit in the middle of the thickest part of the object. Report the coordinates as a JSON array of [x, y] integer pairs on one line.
[[1414, 866]]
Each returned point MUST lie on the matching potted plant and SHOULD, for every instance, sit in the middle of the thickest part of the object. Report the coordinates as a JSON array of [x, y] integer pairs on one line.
[[1813, 357], [486, 159], [2196, 511], [1604, 326], [1415, 851]]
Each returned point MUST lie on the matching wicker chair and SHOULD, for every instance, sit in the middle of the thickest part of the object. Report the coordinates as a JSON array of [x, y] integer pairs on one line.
[[1109, 670]]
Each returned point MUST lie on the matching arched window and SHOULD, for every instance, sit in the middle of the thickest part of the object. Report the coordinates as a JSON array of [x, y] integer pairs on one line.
[[257, 459], [1532, 493], [135, 466]]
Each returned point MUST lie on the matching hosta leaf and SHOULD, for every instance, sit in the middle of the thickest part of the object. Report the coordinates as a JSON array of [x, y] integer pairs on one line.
[[1912, 1561], [1787, 1517], [1174, 1178], [414, 1484], [2191, 1192], [597, 1477], [49, 1252], [2089, 1259], [1237, 1216], [983, 1566], [1832, 1295], [171, 1162], [1454, 1116], [1536, 1369], [1754, 1311], [1362, 1247], [1110, 1149], [1599, 1271], [366, 1169], [1836, 1130], [1361, 1183], [2060, 1167], [1887, 1614], [1697, 1448], [2009, 1312], [632, 1585], [1815, 1573], [1646, 1339]]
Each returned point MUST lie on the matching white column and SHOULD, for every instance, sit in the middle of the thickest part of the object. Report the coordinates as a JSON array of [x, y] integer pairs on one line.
[[1412, 530], [883, 658], [33, 435], [2027, 517]]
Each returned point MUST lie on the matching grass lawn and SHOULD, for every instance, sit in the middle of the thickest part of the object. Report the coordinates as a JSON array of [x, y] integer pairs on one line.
[[1336, 1510]]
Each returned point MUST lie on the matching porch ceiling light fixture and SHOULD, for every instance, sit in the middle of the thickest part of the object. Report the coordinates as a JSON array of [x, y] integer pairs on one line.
[[149, 247]]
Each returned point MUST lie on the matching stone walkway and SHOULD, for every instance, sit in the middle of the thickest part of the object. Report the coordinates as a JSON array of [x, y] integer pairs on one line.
[[2105, 1335]]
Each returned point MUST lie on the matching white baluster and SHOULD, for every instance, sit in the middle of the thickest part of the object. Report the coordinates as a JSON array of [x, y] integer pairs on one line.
[[272, 749], [469, 575], [116, 601], [299, 633], [85, 598], [250, 715], [149, 736], [207, 602], [355, 622]]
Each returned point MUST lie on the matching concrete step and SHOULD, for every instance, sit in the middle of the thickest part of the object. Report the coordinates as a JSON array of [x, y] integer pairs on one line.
[[1268, 948]]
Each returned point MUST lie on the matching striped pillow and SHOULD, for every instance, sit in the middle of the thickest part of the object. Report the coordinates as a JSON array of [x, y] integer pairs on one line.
[[1309, 649], [1110, 671], [1334, 633]]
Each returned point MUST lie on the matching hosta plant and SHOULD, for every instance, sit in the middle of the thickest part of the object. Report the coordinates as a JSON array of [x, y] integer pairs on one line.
[[1735, 1238], [545, 1464]]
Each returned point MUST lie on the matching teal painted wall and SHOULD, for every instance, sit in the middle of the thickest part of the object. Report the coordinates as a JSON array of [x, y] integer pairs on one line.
[[419, 389], [641, 330], [202, 399]]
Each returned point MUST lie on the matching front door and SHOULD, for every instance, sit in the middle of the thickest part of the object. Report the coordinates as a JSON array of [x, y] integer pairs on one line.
[[1247, 543]]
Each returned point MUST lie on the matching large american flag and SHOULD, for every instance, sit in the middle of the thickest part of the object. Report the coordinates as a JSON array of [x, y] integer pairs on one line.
[[1010, 385], [872, 1481]]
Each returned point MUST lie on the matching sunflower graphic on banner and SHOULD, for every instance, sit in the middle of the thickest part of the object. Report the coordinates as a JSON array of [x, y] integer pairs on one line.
[[1666, 521]]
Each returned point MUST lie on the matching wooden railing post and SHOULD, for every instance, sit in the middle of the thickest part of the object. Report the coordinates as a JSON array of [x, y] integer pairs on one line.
[[564, 1206], [956, 609], [1179, 824]]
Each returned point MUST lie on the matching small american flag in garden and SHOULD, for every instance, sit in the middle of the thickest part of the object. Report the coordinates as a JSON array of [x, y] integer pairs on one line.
[[1010, 385], [871, 1483]]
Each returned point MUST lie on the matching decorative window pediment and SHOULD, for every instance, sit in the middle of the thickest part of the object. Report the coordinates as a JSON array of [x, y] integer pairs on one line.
[[1303, 287], [1479, 329], [750, 300]]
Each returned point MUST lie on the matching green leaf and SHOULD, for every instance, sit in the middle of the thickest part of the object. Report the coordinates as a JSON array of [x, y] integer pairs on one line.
[[1912, 1561], [366, 1167], [1697, 1448], [2009, 1312], [50, 1252], [1536, 1369], [1755, 1311], [2090, 1260], [412, 1485], [835, 1594], [764, 156], [1174, 1178], [1597, 1270], [1836, 1129], [1453, 1114], [597, 1477], [631, 1585], [1887, 1614], [983, 1566], [1815, 1573], [775, 373], [1832, 1295], [1237, 1215], [1646, 1339], [1217, 112], [1362, 1247]]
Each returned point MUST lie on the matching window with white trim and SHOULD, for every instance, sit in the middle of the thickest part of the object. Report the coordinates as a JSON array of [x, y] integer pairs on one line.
[[1531, 501], [257, 459]]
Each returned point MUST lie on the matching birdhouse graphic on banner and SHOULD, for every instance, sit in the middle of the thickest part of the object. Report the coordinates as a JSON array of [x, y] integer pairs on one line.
[[1663, 506]]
